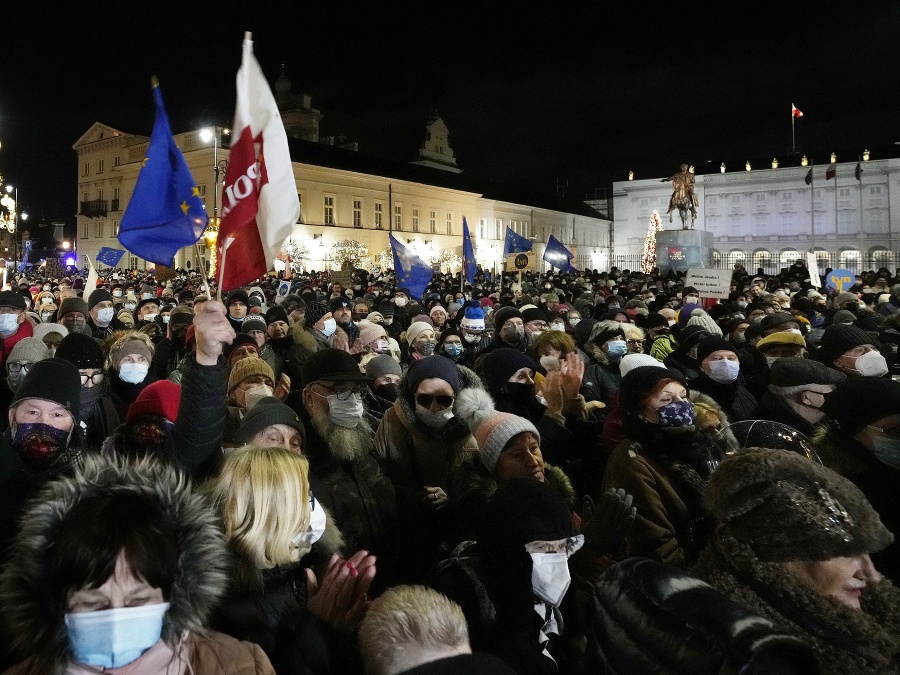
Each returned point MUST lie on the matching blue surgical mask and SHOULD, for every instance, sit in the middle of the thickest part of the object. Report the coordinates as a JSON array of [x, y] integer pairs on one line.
[[453, 350], [676, 414], [113, 638], [9, 324], [133, 373], [617, 348]]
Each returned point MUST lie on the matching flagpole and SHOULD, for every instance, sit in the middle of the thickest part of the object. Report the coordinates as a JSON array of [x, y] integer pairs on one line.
[[861, 229], [205, 278], [793, 137], [812, 204]]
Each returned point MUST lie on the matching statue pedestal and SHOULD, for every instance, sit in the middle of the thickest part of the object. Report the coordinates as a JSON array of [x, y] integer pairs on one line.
[[682, 249]]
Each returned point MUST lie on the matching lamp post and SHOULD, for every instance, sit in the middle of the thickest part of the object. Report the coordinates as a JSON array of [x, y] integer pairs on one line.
[[214, 134]]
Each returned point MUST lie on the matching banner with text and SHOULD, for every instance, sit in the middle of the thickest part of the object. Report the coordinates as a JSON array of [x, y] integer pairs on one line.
[[709, 283]]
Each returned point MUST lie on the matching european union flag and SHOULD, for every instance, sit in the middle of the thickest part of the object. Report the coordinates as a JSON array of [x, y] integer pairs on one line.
[[515, 243], [165, 213], [558, 255], [110, 256], [411, 272], [468, 254]]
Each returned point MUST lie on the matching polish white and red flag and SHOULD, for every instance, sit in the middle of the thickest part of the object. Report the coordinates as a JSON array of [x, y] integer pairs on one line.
[[259, 199], [795, 111]]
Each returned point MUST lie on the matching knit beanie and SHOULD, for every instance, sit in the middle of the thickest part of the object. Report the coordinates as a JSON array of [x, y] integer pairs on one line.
[[383, 365], [80, 350], [501, 364], [503, 315], [424, 318], [533, 314], [250, 322], [492, 429], [655, 320], [314, 311], [701, 318], [369, 331], [42, 329], [130, 343], [859, 401], [159, 399], [415, 329], [32, 350], [99, 295], [266, 413], [72, 305], [711, 344], [53, 380], [639, 383], [684, 314], [603, 331], [473, 317], [241, 339], [278, 313], [631, 361], [246, 367], [437, 367], [786, 507], [691, 335], [838, 339]]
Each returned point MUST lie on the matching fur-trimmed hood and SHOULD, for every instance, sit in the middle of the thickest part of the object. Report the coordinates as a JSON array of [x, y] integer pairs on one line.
[[36, 619]]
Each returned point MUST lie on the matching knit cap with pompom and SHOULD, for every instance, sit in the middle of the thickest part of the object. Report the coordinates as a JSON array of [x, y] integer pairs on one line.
[[492, 429]]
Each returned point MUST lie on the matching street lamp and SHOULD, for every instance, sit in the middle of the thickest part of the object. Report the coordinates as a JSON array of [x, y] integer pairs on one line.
[[214, 134], [10, 220]]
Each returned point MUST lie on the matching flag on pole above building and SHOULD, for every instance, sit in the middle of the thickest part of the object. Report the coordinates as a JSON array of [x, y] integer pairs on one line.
[[795, 111], [808, 179], [831, 171], [165, 212], [858, 171], [469, 266], [558, 255], [259, 200], [515, 243], [412, 273]]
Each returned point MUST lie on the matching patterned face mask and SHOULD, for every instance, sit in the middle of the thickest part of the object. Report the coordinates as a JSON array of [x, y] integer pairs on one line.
[[676, 414]]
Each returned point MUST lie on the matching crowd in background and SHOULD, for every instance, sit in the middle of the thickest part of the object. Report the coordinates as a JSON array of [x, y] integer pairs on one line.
[[592, 471]]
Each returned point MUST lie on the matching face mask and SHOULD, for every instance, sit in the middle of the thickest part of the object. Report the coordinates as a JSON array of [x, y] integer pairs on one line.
[[574, 322], [691, 300], [105, 315], [550, 363], [390, 391], [512, 334], [871, 364], [536, 333], [772, 359], [382, 346], [617, 349], [15, 379], [550, 576], [38, 442], [435, 420], [9, 324], [113, 638], [740, 337], [453, 350], [724, 371], [400, 302], [426, 348], [47, 317], [146, 296], [254, 394], [388, 320], [117, 294], [519, 391], [676, 414], [347, 413], [472, 339], [558, 327], [133, 373], [613, 305], [317, 523], [671, 322], [330, 325], [74, 325], [742, 304], [166, 318], [150, 317], [130, 306], [887, 450]]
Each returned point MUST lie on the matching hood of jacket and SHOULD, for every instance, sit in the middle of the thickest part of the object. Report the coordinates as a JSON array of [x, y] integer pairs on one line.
[[456, 430], [36, 619]]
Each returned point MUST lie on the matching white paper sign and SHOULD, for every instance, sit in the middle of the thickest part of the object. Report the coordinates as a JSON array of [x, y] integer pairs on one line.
[[709, 283], [813, 266]]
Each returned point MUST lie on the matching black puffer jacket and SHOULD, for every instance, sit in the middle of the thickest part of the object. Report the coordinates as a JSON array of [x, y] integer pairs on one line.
[[649, 617]]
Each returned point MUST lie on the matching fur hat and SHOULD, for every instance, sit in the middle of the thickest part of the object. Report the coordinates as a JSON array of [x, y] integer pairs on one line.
[[492, 429], [473, 317], [838, 339], [130, 342], [267, 412], [786, 507], [247, 367], [603, 331], [159, 399]]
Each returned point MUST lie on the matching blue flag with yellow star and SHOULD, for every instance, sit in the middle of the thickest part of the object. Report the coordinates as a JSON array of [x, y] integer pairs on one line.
[[469, 266], [165, 212], [411, 272], [515, 243]]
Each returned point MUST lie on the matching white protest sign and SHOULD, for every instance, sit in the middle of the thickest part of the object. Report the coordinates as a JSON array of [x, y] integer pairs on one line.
[[709, 283], [813, 266]]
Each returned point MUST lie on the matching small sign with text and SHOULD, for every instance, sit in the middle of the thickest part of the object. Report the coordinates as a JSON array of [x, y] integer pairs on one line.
[[709, 283]]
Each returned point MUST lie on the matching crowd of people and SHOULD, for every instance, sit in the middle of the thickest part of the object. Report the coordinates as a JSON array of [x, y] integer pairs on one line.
[[593, 471]]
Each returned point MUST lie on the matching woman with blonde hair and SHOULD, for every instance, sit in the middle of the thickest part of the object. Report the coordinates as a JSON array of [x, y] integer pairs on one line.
[[290, 590]]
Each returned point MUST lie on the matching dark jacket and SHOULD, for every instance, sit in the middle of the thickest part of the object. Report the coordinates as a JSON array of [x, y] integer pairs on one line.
[[775, 409], [734, 397]]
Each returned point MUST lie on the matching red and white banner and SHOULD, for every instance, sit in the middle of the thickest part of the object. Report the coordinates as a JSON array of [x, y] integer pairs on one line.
[[795, 111], [259, 200]]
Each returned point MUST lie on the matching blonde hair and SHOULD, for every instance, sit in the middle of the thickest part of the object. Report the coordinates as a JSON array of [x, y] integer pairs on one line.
[[410, 625], [262, 496]]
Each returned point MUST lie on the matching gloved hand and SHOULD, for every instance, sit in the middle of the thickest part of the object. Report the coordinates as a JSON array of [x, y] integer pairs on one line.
[[606, 524]]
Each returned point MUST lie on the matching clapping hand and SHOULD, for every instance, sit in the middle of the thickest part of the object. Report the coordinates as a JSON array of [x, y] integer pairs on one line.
[[606, 525], [340, 599]]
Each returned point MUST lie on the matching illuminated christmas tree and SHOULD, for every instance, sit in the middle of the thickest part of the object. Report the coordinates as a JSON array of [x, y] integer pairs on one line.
[[648, 261], [348, 250]]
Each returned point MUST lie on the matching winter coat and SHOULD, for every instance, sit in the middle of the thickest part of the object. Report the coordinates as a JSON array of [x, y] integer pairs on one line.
[[605, 373], [737, 401], [648, 617], [305, 345], [268, 608], [35, 620], [775, 409]]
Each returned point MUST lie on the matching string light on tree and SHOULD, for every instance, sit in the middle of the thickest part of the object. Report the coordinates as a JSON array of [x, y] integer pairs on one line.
[[385, 259], [297, 252], [349, 251], [446, 259], [648, 261]]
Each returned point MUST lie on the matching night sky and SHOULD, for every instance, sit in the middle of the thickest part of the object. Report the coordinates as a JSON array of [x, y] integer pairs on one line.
[[539, 99]]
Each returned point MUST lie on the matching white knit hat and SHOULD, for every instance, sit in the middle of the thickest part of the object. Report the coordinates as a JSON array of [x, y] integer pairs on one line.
[[632, 361], [492, 429], [415, 328]]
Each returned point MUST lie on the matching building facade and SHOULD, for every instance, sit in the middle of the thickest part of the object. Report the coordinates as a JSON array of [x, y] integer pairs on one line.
[[769, 217]]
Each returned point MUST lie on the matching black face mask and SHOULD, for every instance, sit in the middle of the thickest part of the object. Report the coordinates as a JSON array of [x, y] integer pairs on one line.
[[390, 391], [518, 391]]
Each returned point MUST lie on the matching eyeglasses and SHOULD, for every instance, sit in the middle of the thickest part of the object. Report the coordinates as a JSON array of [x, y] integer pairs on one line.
[[94, 378], [444, 401], [635, 343], [342, 393], [15, 367]]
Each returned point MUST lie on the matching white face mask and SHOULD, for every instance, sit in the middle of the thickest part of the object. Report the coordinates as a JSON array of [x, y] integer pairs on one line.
[[435, 420], [400, 302], [347, 413], [317, 523], [150, 317], [133, 373], [146, 296], [105, 315], [255, 394], [724, 371], [472, 339], [550, 576], [9, 324], [871, 364], [330, 325], [560, 327], [550, 363], [574, 322]]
